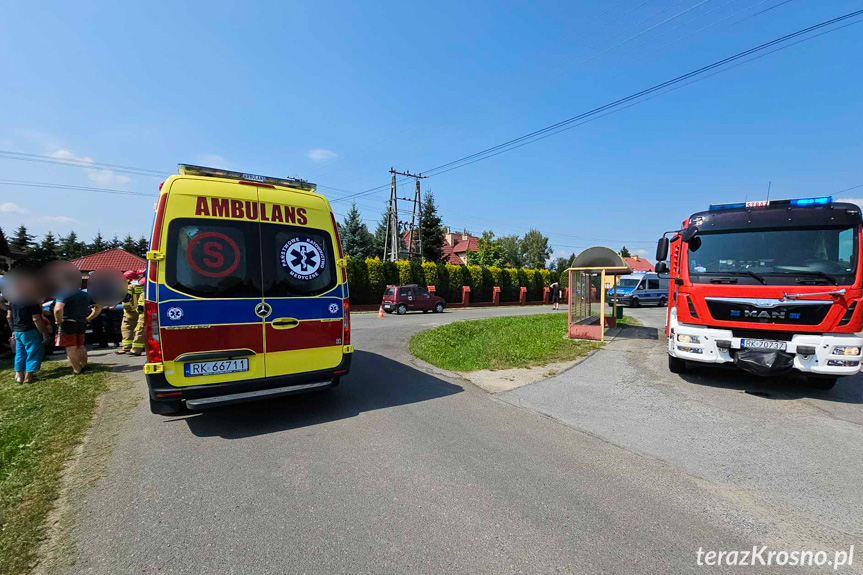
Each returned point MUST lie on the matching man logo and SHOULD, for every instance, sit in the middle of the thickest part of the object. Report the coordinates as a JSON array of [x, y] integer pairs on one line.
[[754, 313]]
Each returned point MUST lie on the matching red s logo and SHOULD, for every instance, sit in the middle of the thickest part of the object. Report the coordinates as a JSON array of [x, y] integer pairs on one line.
[[215, 258]]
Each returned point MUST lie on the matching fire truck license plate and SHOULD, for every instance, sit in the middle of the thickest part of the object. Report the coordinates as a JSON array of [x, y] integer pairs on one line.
[[763, 344], [216, 367]]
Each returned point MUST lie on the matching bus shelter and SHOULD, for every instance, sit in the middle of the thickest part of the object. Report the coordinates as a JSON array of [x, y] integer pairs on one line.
[[592, 274]]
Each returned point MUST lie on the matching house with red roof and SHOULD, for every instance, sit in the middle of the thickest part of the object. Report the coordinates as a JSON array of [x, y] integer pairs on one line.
[[639, 264], [456, 246], [116, 258]]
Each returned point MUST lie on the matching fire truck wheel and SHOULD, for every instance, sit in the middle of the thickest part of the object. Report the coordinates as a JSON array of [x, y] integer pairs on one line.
[[662, 302], [676, 365], [402, 309], [821, 382]]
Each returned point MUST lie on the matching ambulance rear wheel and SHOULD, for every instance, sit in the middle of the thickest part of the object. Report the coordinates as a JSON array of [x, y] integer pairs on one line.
[[662, 302], [676, 365], [821, 382], [402, 309], [166, 407]]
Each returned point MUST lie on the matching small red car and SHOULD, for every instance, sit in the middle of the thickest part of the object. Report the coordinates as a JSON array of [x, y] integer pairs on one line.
[[402, 299]]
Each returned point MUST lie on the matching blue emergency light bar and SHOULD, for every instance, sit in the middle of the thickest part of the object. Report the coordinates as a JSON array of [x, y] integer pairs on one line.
[[764, 203]]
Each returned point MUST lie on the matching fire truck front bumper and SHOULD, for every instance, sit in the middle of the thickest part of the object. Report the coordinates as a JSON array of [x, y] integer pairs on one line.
[[831, 355]]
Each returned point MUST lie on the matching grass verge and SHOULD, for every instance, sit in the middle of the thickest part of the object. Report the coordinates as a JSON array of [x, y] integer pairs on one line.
[[499, 343], [40, 425]]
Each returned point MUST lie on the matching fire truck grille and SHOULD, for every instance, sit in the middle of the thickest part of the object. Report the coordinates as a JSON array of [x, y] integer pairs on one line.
[[782, 314]]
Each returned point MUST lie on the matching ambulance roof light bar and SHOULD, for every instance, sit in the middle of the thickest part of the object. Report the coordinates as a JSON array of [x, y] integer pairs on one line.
[[823, 201], [190, 170]]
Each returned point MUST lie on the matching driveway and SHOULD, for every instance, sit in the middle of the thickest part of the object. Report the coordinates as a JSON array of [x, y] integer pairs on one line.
[[401, 471], [796, 451]]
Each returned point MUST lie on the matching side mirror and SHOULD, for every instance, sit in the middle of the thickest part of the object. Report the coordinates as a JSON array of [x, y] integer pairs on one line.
[[689, 233], [661, 267], [694, 244], [662, 249]]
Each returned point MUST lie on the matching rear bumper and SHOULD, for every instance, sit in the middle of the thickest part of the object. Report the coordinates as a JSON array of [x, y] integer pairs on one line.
[[241, 391], [712, 349]]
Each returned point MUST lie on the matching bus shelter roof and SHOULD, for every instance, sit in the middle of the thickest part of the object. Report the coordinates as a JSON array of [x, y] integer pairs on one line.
[[600, 258]]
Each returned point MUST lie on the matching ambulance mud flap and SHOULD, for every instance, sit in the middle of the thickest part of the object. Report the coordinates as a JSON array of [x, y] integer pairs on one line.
[[761, 362]]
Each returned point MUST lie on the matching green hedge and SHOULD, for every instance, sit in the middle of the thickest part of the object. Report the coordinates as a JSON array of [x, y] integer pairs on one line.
[[369, 278]]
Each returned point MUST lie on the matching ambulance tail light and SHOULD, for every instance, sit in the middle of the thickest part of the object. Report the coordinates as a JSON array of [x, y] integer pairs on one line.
[[339, 244], [346, 337], [151, 331]]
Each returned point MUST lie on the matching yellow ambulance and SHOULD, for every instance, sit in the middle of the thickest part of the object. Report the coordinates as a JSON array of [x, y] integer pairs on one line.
[[246, 291]]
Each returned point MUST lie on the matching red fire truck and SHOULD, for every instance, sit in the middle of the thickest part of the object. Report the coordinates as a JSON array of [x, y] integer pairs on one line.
[[768, 286]]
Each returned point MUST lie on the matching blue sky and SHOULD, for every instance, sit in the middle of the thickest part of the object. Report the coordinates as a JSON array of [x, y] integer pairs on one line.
[[338, 92]]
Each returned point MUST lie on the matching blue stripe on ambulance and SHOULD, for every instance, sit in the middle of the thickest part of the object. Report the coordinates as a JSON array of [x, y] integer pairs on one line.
[[310, 308]]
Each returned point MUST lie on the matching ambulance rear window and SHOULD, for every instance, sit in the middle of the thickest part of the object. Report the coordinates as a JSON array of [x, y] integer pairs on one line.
[[297, 261], [213, 259]]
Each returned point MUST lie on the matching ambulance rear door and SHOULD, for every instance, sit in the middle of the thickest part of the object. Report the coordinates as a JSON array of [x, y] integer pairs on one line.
[[210, 293], [304, 328]]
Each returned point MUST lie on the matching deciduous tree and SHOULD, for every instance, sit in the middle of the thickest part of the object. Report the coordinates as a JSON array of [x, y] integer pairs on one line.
[[535, 249], [510, 245], [488, 252]]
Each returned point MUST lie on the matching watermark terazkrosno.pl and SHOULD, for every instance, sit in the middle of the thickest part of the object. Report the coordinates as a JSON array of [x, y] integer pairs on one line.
[[761, 555]]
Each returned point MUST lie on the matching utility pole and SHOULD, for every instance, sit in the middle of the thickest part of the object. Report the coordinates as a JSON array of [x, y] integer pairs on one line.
[[391, 245]]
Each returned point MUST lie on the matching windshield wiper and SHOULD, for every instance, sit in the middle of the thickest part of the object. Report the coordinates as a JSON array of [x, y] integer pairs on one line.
[[817, 273], [738, 273]]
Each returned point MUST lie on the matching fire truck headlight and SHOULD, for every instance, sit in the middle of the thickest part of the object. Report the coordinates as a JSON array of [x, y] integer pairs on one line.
[[685, 338], [846, 350]]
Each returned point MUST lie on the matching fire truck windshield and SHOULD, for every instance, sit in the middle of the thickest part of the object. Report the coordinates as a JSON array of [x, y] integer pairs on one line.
[[784, 256]]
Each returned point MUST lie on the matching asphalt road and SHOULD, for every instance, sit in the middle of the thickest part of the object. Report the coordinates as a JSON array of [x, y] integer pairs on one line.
[[402, 471]]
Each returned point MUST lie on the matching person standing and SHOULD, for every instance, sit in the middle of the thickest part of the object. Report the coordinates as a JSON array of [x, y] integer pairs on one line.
[[72, 312], [30, 333], [130, 314], [555, 295], [138, 342]]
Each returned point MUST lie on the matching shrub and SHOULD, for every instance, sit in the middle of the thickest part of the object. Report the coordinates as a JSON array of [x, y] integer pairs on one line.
[[474, 275], [485, 295], [391, 273], [522, 282], [416, 274], [358, 281], [509, 289], [404, 271], [377, 279], [368, 279], [456, 281]]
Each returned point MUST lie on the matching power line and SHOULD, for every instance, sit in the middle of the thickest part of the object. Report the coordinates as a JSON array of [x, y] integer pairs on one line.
[[564, 124], [582, 25], [650, 90], [80, 163], [72, 187]]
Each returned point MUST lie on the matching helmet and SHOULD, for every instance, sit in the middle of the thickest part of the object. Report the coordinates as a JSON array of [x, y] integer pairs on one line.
[[130, 275]]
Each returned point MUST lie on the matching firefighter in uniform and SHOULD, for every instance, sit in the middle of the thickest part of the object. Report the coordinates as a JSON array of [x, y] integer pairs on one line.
[[138, 341], [130, 313]]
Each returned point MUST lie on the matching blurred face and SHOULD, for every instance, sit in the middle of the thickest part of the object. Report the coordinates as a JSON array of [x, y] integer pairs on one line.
[[61, 278], [107, 287], [22, 286]]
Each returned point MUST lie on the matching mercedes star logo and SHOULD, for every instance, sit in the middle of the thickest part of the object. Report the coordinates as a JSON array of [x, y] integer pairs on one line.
[[263, 309]]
